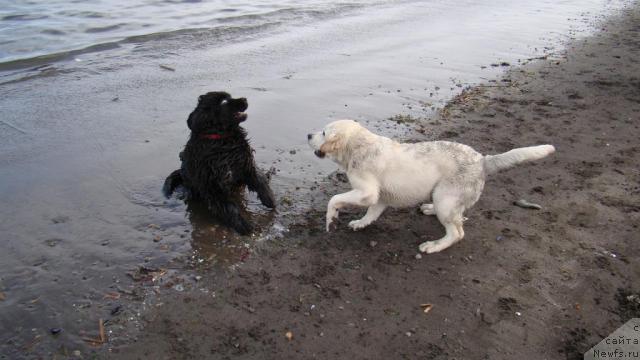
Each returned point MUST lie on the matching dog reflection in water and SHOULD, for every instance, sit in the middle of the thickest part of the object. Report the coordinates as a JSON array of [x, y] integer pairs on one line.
[[215, 243]]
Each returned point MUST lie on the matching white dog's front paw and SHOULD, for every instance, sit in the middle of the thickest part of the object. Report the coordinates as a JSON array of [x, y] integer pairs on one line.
[[332, 214], [357, 225], [329, 222], [430, 247]]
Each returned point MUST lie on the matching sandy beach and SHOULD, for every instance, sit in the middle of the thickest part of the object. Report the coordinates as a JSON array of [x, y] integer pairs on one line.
[[531, 284], [89, 240]]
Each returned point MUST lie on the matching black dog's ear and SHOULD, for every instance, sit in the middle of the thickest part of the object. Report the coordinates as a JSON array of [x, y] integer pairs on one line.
[[200, 119], [189, 121], [192, 121]]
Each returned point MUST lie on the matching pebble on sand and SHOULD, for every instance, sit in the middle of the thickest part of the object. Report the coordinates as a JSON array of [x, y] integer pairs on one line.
[[526, 205]]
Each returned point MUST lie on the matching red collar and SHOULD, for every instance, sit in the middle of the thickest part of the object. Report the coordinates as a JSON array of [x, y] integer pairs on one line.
[[213, 136]]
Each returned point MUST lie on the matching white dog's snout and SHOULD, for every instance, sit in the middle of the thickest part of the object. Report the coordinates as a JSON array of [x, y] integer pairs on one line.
[[314, 141]]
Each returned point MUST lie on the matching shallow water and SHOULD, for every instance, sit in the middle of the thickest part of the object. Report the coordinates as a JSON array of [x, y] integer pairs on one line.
[[35, 28], [86, 140]]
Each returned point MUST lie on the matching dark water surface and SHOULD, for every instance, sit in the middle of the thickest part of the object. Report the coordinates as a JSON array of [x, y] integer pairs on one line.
[[86, 138]]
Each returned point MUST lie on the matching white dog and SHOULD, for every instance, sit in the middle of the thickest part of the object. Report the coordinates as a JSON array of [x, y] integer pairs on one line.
[[385, 173]]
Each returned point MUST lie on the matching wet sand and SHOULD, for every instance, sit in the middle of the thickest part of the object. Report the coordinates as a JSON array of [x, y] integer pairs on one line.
[[533, 284]]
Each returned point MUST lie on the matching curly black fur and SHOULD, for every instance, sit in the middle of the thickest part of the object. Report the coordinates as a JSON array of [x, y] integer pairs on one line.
[[217, 161]]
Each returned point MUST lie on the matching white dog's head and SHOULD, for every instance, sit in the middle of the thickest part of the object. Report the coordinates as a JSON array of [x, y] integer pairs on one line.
[[332, 138], [335, 139]]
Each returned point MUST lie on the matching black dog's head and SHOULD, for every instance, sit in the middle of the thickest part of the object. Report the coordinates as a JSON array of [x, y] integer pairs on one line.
[[217, 111]]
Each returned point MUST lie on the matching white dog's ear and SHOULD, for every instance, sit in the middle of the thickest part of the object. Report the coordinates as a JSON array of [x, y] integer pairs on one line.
[[332, 143]]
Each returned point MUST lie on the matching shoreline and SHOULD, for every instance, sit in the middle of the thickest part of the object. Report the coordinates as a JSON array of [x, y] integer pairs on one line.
[[534, 284]]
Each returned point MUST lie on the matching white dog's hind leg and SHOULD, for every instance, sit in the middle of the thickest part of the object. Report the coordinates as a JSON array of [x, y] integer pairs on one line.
[[373, 212], [460, 230], [449, 239], [449, 211], [428, 209]]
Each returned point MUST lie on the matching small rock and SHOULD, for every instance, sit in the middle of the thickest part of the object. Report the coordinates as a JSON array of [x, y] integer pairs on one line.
[[55, 331], [116, 310], [288, 335], [292, 152], [526, 205], [157, 238], [342, 177], [77, 353], [285, 200], [52, 242], [418, 256], [408, 333], [179, 287], [499, 238], [426, 308], [60, 219], [373, 243], [538, 189]]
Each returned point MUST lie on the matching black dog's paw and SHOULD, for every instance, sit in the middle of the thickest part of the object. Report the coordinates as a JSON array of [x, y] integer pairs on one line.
[[230, 215], [260, 184], [267, 199], [242, 226], [171, 183], [166, 191]]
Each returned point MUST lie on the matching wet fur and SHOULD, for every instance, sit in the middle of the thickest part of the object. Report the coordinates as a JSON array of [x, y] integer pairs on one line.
[[215, 170], [386, 173]]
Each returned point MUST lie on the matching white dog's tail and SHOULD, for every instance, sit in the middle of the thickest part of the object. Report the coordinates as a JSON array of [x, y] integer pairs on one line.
[[495, 163]]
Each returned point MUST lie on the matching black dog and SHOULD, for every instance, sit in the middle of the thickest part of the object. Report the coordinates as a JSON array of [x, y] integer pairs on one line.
[[217, 161]]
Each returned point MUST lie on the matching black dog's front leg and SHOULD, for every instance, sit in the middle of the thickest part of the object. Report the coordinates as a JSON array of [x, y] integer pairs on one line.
[[171, 183], [259, 183]]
